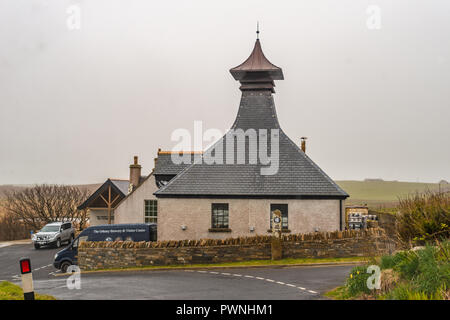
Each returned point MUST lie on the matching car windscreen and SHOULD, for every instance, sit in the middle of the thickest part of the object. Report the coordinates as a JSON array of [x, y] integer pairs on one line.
[[50, 229]]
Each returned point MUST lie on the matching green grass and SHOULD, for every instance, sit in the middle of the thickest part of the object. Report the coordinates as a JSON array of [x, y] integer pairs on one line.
[[250, 263], [10, 291], [383, 193], [407, 275], [338, 293]]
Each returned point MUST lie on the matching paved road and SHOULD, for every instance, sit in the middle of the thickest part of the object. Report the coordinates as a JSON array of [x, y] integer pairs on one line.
[[262, 283], [266, 283], [41, 261]]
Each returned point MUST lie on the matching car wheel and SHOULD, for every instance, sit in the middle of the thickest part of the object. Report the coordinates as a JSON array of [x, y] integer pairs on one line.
[[58, 243], [64, 266], [36, 246]]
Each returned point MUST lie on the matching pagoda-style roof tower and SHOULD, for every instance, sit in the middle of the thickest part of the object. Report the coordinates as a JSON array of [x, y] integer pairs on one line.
[[257, 72], [297, 177]]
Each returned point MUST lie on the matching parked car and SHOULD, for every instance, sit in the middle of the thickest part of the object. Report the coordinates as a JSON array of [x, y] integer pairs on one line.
[[54, 233], [109, 232]]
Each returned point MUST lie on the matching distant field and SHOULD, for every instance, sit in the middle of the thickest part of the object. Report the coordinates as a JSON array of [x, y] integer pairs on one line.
[[384, 193], [12, 188], [376, 194]]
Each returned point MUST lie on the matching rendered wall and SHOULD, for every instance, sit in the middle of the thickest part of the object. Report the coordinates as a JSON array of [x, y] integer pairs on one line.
[[99, 216], [304, 216], [131, 209]]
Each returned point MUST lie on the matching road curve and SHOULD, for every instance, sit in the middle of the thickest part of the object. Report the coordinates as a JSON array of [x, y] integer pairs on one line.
[[290, 283]]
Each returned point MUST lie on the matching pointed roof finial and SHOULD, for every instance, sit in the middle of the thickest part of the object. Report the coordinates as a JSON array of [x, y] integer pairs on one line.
[[257, 30]]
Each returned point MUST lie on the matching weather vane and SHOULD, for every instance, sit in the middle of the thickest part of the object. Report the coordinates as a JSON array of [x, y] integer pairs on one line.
[[257, 30]]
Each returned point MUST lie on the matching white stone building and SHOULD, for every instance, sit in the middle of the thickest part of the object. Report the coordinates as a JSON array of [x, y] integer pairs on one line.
[[220, 200]]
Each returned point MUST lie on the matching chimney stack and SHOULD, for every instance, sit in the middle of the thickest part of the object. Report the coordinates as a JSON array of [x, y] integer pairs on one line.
[[135, 172], [304, 144]]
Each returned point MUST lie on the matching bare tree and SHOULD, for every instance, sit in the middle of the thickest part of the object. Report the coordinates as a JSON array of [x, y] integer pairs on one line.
[[11, 229], [41, 204]]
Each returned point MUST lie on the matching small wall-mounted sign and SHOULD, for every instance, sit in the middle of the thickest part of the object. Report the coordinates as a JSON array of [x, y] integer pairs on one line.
[[276, 223]]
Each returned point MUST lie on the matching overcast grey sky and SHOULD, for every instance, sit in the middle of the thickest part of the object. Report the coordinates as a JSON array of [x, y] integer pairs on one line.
[[76, 105]]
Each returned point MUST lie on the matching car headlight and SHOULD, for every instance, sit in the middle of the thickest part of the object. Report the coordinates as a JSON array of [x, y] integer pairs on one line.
[[56, 256], [33, 237]]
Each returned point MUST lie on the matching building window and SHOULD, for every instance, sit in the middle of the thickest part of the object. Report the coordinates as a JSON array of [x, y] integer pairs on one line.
[[219, 217], [284, 214], [151, 211]]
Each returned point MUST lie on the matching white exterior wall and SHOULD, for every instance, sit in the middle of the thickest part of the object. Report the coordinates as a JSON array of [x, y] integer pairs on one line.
[[131, 209], [99, 216], [303, 216]]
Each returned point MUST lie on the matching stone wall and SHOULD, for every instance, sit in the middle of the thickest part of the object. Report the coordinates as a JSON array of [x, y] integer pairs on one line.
[[120, 254]]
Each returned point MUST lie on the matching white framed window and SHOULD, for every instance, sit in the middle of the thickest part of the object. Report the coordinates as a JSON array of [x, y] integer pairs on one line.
[[150, 211], [219, 215]]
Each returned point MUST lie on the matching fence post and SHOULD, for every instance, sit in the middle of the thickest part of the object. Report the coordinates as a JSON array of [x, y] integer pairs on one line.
[[27, 278]]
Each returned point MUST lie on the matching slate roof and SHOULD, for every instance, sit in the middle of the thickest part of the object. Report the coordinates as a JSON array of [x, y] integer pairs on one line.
[[297, 177], [165, 166], [118, 186], [122, 185]]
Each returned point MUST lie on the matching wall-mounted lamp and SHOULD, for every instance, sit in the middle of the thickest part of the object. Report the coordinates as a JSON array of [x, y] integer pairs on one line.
[[183, 227], [252, 229]]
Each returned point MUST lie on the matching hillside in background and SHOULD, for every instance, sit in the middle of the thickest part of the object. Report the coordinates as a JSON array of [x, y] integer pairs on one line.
[[18, 187], [378, 193]]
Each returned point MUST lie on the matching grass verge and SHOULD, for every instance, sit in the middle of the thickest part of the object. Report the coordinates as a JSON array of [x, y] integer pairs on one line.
[[421, 274], [244, 264], [10, 291], [338, 293]]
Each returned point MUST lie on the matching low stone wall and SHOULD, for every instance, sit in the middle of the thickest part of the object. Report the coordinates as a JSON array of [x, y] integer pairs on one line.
[[120, 254]]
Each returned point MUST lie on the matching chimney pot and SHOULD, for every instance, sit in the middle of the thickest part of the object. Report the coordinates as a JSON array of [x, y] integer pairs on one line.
[[304, 143], [135, 172]]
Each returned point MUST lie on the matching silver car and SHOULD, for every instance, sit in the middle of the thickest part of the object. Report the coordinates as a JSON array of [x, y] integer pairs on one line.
[[54, 234]]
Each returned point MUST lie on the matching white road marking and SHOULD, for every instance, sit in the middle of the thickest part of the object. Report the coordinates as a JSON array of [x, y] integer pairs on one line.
[[253, 277], [50, 280]]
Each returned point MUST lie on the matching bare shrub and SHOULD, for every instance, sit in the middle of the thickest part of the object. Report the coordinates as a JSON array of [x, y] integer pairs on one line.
[[12, 229], [41, 204]]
